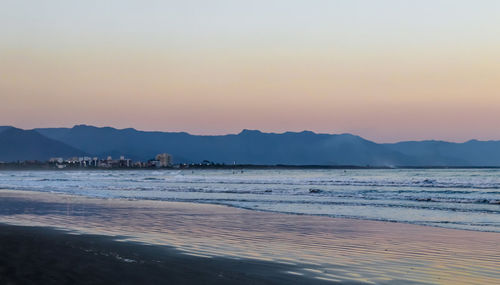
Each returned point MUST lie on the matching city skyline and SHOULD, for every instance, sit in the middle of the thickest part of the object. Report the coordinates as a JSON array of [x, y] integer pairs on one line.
[[386, 70]]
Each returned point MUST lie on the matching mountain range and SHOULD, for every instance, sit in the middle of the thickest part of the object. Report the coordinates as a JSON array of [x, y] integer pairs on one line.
[[247, 147], [17, 144]]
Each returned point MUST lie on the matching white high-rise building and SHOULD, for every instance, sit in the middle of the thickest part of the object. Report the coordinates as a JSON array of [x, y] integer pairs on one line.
[[164, 159]]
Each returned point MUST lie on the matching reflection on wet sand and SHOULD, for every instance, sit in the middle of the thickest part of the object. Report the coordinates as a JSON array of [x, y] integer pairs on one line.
[[329, 249]]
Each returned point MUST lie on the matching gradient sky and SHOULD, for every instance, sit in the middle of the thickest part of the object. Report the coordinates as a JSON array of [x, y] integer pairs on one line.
[[385, 70]]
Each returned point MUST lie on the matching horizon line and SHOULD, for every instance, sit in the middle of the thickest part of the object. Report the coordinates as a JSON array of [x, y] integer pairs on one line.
[[252, 130]]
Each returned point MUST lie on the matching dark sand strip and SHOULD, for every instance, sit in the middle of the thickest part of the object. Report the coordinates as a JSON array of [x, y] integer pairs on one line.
[[36, 255]]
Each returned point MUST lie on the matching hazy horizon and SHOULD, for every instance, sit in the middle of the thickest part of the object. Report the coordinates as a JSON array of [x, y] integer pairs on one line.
[[384, 70]]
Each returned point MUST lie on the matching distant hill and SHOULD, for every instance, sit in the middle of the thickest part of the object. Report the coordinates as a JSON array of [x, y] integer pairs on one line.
[[17, 144], [247, 147], [441, 153], [3, 128]]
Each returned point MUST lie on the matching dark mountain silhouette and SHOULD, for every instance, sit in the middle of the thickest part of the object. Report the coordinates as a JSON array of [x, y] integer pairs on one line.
[[17, 144], [3, 128], [247, 147], [441, 153]]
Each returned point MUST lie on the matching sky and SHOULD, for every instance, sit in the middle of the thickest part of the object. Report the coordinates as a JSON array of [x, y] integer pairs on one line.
[[387, 70]]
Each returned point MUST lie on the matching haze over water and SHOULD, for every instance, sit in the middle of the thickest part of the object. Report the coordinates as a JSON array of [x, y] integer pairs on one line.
[[453, 198]]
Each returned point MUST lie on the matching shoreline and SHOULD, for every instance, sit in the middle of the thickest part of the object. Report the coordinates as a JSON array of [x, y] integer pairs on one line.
[[246, 209], [347, 250], [45, 167]]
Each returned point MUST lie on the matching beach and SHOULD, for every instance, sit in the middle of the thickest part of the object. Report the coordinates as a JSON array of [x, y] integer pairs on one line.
[[214, 243], [34, 255], [250, 142]]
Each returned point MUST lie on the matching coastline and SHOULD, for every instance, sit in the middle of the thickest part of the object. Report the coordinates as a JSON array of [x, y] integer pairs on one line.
[[45, 167], [338, 249]]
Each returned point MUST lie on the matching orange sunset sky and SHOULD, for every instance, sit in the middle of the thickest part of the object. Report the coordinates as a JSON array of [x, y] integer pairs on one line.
[[384, 70]]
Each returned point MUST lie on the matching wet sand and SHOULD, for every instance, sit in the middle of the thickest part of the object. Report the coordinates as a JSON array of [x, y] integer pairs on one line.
[[34, 255], [281, 247]]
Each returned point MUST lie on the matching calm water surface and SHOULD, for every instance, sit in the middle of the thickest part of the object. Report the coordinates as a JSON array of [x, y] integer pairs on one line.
[[453, 198]]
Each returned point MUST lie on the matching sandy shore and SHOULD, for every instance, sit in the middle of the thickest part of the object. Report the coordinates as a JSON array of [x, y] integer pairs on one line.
[[280, 247], [34, 255]]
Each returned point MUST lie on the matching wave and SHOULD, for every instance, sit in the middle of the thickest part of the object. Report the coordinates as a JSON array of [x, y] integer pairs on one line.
[[369, 183], [424, 196], [56, 179]]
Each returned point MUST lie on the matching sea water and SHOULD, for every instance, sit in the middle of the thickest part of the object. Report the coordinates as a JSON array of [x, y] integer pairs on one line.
[[453, 198]]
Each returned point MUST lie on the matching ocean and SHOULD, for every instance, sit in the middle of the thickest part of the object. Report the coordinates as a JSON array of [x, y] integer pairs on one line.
[[452, 198]]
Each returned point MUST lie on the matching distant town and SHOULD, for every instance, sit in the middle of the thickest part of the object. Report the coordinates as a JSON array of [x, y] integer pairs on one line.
[[162, 160]]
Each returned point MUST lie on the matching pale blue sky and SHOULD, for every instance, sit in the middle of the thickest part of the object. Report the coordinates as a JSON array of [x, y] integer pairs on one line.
[[241, 23]]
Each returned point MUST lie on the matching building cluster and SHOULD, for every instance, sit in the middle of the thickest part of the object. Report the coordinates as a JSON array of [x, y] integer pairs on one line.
[[161, 160]]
